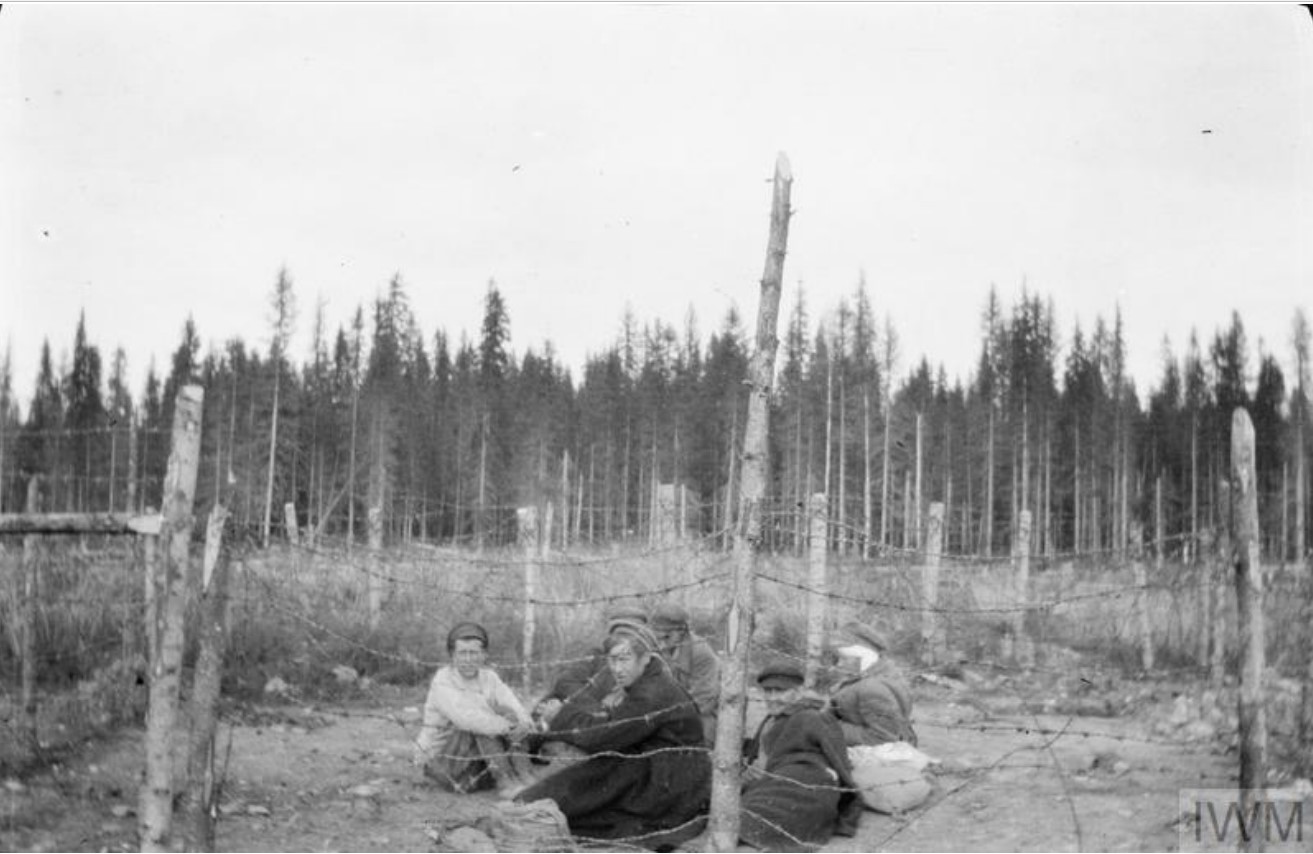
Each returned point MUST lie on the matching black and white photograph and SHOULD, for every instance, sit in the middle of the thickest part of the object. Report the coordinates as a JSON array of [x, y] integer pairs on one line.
[[739, 426]]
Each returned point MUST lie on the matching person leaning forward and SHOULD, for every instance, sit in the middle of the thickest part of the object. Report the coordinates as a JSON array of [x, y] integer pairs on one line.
[[692, 662], [646, 781], [874, 703], [584, 682], [473, 724], [802, 792]]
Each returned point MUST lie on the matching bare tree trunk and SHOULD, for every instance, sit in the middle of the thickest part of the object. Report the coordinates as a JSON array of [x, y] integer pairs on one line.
[[202, 792], [818, 586], [1078, 500], [531, 543], [132, 464], [725, 812], [916, 504], [377, 489], [156, 808], [907, 511], [987, 523], [932, 641], [843, 470], [481, 521], [1194, 488], [1022, 650], [884, 481], [829, 423], [1249, 608], [801, 484], [728, 522], [867, 510], [27, 625], [273, 447]]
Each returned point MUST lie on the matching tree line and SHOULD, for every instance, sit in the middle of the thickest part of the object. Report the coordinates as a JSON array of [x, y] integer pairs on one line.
[[448, 437]]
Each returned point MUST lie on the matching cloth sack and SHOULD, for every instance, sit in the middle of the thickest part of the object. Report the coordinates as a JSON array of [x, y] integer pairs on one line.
[[890, 776], [503, 826]]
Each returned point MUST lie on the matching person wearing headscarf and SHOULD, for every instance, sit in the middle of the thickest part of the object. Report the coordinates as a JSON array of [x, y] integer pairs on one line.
[[646, 781], [473, 728], [873, 703], [692, 662], [799, 790]]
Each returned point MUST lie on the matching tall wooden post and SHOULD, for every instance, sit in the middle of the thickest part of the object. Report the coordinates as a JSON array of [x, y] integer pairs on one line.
[[1022, 649], [202, 798], [1217, 562], [374, 575], [156, 812], [817, 584], [724, 819], [27, 627], [1249, 610], [1141, 595], [527, 535], [132, 464], [931, 639], [289, 521]]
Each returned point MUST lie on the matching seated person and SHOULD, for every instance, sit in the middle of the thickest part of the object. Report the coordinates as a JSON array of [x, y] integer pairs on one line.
[[692, 662], [473, 724], [802, 792], [873, 703], [647, 777], [587, 680]]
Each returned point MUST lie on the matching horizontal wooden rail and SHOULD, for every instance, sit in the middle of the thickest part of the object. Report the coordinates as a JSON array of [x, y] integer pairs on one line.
[[78, 523]]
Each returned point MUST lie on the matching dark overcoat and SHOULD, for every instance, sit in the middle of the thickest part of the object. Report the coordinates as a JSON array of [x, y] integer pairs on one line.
[[875, 707], [648, 778], [807, 793]]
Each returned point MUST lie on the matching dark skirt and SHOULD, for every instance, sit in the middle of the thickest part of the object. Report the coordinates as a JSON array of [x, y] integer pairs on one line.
[[794, 809]]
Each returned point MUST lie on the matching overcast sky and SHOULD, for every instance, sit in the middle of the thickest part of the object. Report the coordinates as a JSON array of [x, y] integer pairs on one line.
[[160, 160]]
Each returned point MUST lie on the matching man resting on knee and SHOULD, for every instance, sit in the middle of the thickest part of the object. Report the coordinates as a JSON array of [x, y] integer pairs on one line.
[[473, 724]]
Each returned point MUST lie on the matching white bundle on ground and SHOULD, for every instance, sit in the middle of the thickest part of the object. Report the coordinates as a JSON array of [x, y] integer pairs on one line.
[[890, 776]]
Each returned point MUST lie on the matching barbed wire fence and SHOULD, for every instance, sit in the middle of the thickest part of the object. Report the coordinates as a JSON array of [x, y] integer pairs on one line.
[[76, 603]]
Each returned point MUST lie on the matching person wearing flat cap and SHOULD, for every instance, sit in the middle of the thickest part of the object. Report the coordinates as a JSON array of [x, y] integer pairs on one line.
[[474, 726], [692, 662], [586, 681], [801, 791], [647, 777], [873, 702]]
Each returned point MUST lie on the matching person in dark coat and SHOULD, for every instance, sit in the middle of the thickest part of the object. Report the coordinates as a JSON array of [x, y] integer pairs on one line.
[[801, 791], [873, 704], [692, 662], [587, 680], [647, 779]]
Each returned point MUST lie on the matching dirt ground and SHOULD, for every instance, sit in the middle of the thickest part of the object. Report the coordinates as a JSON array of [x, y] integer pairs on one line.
[[1008, 782]]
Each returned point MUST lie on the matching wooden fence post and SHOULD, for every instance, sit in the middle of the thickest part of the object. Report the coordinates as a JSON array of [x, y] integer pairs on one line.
[[724, 820], [1141, 572], [1022, 650], [156, 812], [374, 572], [1217, 563], [817, 584], [931, 638], [527, 535], [289, 520], [203, 797], [1201, 556], [1249, 611], [27, 626]]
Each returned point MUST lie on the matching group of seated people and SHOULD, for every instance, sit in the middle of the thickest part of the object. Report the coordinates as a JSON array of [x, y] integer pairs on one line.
[[640, 711]]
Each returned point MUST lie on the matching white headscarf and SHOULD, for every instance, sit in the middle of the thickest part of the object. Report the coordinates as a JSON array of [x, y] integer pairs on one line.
[[864, 654]]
